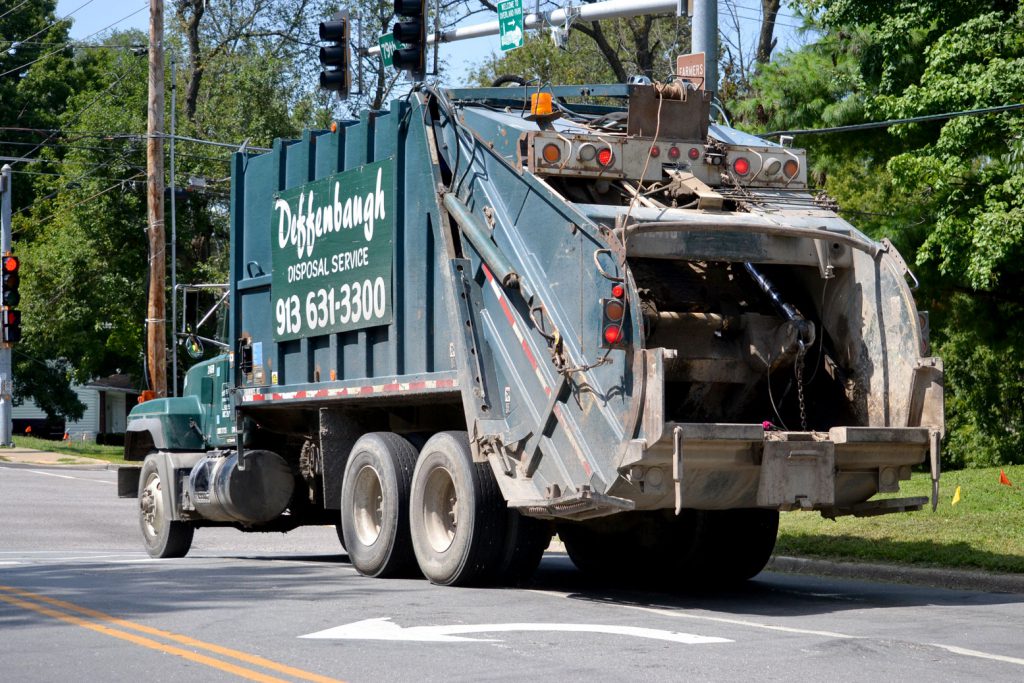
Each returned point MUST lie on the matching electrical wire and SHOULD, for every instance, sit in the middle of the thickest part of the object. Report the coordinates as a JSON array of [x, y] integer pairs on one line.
[[54, 23], [97, 194], [15, 8], [91, 148], [67, 45], [81, 111], [894, 122]]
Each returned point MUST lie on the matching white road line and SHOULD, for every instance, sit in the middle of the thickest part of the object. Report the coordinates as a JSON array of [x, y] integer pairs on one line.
[[65, 476], [721, 620], [787, 629], [981, 655]]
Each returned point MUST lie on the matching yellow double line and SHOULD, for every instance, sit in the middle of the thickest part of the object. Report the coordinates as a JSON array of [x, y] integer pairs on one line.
[[104, 623]]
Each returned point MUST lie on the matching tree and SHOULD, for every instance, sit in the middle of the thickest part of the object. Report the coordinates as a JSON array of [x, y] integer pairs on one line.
[[597, 52], [949, 192]]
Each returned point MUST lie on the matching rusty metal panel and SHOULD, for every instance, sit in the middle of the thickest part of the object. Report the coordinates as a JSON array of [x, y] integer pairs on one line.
[[797, 474], [680, 119]]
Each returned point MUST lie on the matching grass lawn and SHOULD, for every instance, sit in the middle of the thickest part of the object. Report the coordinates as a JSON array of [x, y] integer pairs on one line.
[[87, 449], [985, 530]]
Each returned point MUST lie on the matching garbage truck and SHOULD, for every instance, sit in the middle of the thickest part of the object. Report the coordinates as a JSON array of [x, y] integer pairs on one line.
[[488, 315]]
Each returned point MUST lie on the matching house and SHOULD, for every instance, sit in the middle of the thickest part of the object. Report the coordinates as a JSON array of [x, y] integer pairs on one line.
[[107, 403]]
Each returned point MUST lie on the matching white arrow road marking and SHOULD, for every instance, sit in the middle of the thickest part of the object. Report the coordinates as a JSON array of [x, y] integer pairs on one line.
[[383, 628]]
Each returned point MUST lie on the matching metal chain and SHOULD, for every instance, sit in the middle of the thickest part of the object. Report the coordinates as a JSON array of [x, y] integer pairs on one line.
[[800, 383]]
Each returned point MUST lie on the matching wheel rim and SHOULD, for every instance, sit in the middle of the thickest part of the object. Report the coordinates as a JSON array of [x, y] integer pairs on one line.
[[440, 510], [369, 505], [151, 506]]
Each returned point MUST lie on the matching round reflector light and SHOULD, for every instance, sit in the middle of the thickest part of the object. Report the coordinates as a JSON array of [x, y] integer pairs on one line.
[[741, 166], [613, 334], [673, 152], [618, 291], [790, 168], [694, 153], [605, 157], [552, 153], [655, 151], [614, 309]]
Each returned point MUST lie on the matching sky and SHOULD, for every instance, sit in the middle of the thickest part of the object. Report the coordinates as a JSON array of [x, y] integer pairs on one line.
[[91, 16]]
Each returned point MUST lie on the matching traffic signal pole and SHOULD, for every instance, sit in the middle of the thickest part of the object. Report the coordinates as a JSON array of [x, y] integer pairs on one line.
[[610, 9], [6, 368]]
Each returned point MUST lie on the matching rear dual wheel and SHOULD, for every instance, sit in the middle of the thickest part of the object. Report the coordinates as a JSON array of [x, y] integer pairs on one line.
[[711, 547], [375, 505], [462, 531]]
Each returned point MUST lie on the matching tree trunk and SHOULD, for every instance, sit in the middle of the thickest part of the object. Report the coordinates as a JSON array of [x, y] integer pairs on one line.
[[190, 13], [594, 32], [766, 40]]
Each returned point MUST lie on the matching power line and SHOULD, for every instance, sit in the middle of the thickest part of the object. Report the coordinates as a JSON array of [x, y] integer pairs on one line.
[[54, 23], [101, 192], [92, 148], [893, 122], [66, 45], [74, 45], [166, 136], [16, 7], [85, 108]]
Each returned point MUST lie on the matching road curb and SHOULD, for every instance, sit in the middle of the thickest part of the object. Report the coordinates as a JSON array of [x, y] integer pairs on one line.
[[954, 579]]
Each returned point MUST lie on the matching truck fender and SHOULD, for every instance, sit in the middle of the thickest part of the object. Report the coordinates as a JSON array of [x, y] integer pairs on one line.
[[159, 433], [168, 465]]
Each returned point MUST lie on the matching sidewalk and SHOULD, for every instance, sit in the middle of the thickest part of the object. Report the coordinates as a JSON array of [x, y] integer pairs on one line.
[[30, 456]]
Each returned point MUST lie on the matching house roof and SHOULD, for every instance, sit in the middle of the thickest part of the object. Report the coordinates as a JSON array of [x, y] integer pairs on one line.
[[114, 383]]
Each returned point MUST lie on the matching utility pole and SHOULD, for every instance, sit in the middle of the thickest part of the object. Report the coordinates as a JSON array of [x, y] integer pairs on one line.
[[6, 367], [156, 326], [705, 39]]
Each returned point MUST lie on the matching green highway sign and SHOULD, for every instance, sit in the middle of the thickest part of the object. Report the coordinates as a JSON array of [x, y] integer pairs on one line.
[[510, 24], [332, 253], [388, 45]]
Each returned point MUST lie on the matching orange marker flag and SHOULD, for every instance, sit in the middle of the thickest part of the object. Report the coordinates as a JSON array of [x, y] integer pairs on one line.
[[1003, 480], [956, 496]]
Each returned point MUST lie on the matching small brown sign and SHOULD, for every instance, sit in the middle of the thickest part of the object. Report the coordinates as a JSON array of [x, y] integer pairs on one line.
[[691, 68]]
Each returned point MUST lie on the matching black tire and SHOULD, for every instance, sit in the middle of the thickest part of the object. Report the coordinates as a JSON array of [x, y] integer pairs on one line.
[[620, 548], [731, 546], [526, 539], [697, 548], [162, 536], [375, 505], [507, 80], [457, 514]]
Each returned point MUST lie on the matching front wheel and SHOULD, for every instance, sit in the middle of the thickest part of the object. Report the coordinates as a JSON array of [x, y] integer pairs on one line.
[[162, 536]]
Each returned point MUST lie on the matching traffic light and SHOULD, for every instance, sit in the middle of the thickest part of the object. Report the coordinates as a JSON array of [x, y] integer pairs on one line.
[[334, 58], [9, 286], [10, 319], [11, 325], [413, 33]]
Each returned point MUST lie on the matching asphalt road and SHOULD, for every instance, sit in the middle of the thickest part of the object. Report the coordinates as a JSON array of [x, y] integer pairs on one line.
[[80, 600]]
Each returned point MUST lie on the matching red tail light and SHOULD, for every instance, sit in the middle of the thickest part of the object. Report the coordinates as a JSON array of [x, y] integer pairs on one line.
[[741, 166], [605, 157], [612, 334]]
